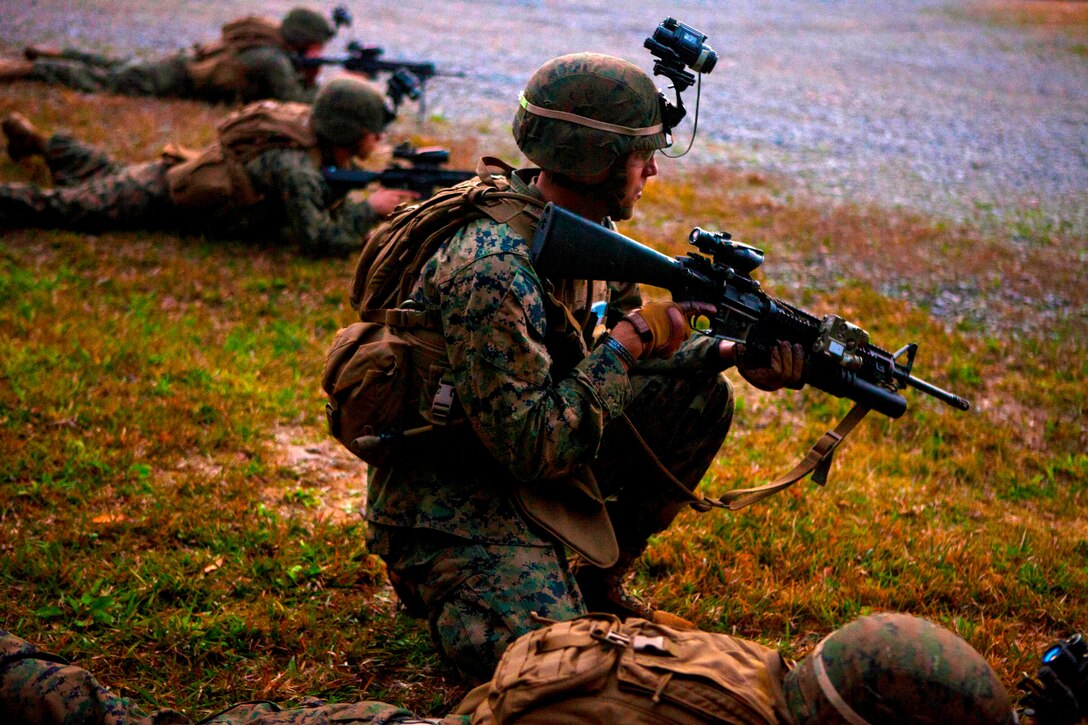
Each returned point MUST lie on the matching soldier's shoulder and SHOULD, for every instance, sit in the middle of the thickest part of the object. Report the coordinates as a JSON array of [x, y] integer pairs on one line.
[[486, 237], [483, 245]]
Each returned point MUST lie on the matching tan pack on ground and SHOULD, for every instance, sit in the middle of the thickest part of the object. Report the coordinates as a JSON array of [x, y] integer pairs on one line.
[[215, 69], [384, 375], [215, 179], [596, 669]]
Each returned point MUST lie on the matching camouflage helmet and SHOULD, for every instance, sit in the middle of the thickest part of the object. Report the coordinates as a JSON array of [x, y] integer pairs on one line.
[[345, 108], [582, 112], [895, 668], [302, 27]]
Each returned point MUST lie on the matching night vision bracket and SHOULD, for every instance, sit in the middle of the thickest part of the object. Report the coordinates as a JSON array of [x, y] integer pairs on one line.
[[678, 50]]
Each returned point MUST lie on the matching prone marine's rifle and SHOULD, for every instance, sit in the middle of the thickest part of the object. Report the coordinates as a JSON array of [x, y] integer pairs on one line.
[[368, 61], [839, 357], [423, 174]]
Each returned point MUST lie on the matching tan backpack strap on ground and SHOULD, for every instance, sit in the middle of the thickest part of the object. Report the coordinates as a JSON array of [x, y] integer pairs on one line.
[[817, 462]]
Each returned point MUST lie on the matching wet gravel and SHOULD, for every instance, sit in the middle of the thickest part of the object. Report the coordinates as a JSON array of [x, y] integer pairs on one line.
[[906, 103]]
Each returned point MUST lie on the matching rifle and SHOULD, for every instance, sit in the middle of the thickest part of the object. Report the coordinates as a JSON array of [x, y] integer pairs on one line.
[[365, 59], [1058, 695], [839, 359], [422, 176], [368, 61]]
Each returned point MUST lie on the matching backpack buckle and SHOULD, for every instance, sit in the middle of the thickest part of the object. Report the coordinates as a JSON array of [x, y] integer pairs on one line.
[[610, 636], [442, 404], [652, 645]]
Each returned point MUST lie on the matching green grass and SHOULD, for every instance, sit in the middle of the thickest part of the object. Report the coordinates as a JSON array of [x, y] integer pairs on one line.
[[174, 516]]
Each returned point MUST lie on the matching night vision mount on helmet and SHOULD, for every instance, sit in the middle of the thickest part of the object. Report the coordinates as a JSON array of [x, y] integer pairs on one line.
[[678, 47]]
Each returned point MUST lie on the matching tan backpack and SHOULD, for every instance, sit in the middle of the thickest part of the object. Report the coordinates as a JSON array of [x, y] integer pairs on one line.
[[597, 669], [215, 69], [384, 374], [215, 179]]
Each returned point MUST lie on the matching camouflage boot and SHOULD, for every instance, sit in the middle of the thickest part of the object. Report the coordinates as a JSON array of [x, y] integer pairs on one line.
[[14, 70], [24, 139], [604, 591]]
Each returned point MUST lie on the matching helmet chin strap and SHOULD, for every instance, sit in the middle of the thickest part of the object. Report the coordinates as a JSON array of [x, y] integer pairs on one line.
[[618, 183], [828, 689]]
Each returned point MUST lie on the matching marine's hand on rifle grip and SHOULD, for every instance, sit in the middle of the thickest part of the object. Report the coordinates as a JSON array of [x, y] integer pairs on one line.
[[660, 326], [786, 368]]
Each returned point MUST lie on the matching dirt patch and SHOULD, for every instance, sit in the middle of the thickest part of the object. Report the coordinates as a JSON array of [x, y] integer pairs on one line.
[[331, 481]]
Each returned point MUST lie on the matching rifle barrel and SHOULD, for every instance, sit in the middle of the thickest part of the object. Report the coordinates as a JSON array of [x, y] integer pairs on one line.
[[939, 393]]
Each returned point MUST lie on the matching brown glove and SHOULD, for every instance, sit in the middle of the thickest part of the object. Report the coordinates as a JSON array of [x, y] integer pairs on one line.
[[663, 326]]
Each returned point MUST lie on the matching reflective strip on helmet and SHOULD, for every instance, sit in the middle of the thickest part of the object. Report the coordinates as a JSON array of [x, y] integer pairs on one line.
[[590, 122], [831, 693]]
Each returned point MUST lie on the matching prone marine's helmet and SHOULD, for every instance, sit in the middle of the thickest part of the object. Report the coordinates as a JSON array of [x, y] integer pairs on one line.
[[345, 108], [580, 113], [892, 669], [302, 27]]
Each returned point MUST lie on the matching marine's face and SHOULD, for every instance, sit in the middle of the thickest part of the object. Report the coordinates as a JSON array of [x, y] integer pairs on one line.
[[641, 165]]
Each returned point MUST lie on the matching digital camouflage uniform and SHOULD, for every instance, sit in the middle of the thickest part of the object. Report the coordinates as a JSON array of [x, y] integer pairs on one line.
[[252, 61], [42, 688], [95, 193], [444, 520], [269, 73]]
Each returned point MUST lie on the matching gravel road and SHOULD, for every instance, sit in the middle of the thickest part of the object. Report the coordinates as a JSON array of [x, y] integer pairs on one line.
[[907, 103]]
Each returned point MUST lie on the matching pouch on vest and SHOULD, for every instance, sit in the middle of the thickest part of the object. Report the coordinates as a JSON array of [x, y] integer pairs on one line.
[[376, 378], [384, 375], [598, 669]]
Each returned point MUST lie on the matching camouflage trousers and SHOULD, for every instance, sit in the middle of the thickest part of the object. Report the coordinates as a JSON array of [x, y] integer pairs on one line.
[[92, 192], [479, 598], [39, 687], [94, 74]]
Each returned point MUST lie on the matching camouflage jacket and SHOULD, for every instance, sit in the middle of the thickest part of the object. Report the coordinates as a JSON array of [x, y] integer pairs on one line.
[[269, 73], [534, 412], [299, 207]]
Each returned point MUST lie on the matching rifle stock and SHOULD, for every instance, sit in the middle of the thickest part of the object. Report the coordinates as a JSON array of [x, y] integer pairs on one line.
[[839, 358]]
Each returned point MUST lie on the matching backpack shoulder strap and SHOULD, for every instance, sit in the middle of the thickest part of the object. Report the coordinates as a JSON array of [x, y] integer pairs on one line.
[[493, 197], [396, 251]]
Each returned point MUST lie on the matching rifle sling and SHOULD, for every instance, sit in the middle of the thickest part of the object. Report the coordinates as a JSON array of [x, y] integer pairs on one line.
[[817, 462]]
